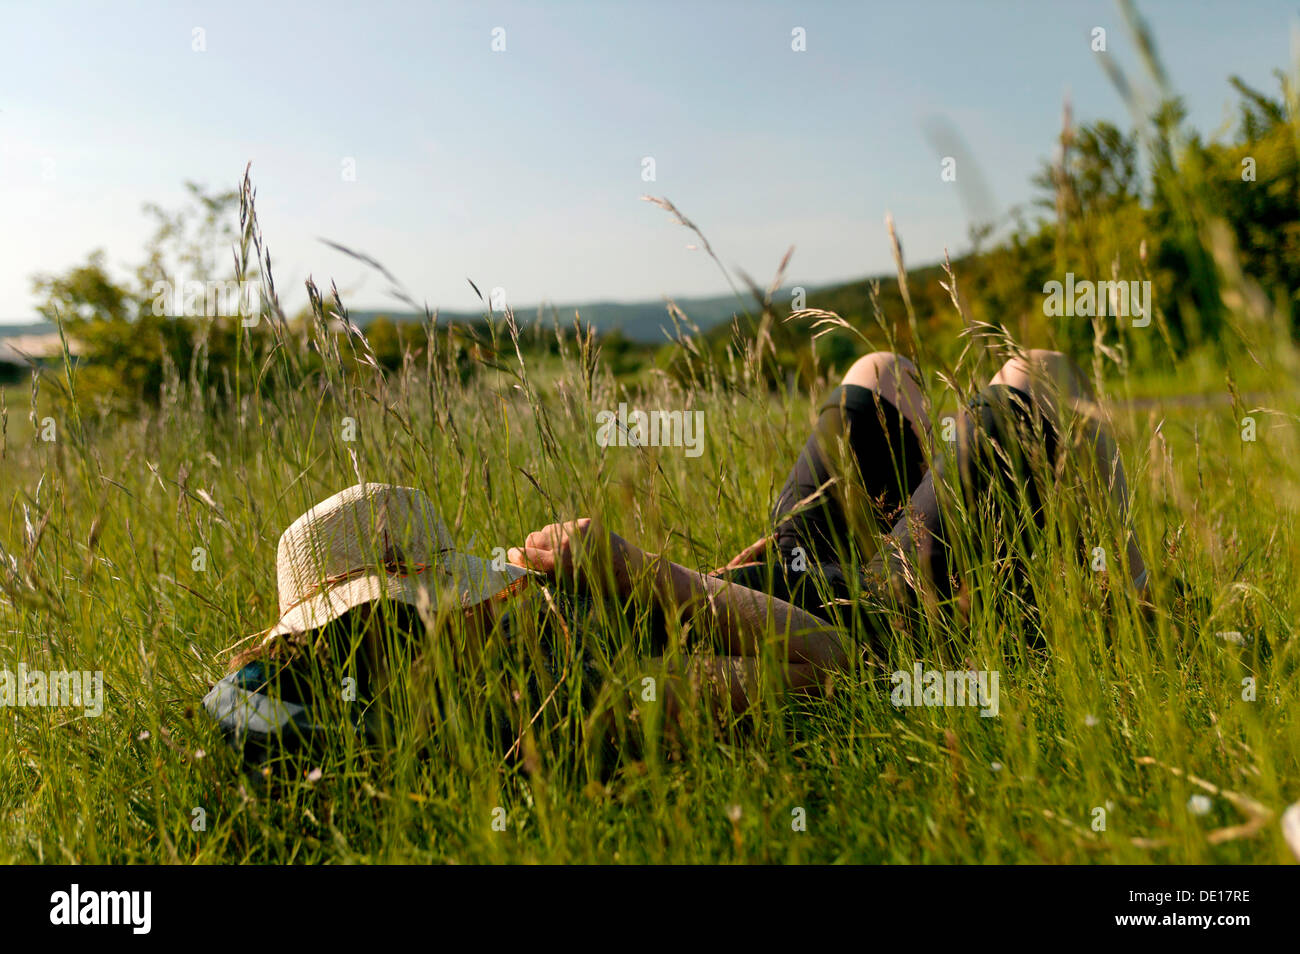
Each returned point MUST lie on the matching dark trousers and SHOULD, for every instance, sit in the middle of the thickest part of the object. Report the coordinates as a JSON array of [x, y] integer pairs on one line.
[[861, 478]]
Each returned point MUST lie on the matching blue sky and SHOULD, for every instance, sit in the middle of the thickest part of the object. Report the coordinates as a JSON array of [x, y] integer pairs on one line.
[[523, 169]]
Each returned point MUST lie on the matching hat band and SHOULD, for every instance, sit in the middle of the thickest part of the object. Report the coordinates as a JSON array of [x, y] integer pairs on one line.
[[391, 568]]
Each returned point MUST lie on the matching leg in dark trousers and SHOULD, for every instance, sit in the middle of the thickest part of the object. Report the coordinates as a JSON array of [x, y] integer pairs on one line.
[[861, 463], [1009, 443]]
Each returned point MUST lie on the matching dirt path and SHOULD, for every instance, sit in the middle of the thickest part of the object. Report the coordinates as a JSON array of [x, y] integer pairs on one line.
[[1213, 399]]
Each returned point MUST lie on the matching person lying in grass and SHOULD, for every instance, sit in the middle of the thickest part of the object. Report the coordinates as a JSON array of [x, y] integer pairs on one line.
[[863, 521], [870, 530]]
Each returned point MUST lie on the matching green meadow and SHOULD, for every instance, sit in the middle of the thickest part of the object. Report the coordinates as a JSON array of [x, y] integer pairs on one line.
[[145, 480]]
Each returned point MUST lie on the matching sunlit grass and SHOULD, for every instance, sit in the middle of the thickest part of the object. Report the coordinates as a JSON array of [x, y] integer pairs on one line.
[[1116, 713]]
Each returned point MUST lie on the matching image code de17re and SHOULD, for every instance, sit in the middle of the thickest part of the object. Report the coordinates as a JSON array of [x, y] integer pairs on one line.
[[1208, 895]]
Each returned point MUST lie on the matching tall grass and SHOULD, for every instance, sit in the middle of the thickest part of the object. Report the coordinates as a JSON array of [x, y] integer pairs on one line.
[[1121, 711]]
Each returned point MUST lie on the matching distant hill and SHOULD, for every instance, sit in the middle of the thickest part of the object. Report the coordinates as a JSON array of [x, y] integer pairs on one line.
[[39, 341], [31, 328], [643, 322]]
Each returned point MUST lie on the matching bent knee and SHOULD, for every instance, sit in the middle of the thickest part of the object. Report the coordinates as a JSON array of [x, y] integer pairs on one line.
[[1049, 377], [871, 368], [896, 379], [1043, 365]]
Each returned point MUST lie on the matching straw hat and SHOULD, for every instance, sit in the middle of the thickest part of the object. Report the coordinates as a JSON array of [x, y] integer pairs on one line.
[[373, 542]]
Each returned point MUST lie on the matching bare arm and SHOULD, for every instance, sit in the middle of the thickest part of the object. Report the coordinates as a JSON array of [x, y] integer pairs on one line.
[[747, 620], [751, 554], [734, 680], [745, 617]]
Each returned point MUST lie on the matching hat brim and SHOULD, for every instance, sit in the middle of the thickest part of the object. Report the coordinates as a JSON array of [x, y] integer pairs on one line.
[[471, 579]]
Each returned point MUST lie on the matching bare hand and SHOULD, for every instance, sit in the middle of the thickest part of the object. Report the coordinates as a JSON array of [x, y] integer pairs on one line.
[[751, 554], [559, 550]]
